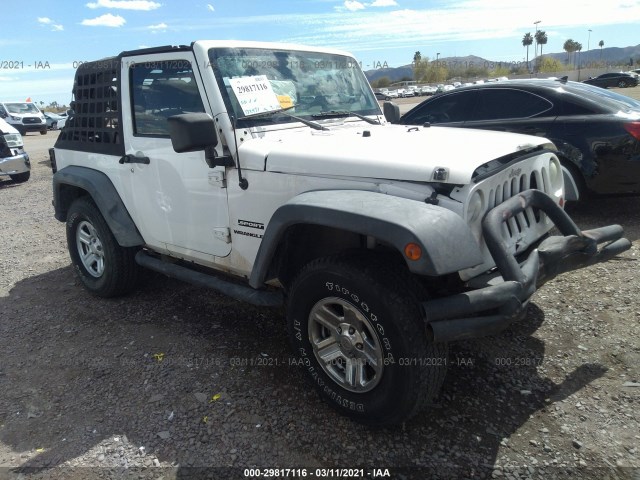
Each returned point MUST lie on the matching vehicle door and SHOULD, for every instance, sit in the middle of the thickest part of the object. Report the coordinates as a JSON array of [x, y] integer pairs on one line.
[[511, 110], [179, 201]]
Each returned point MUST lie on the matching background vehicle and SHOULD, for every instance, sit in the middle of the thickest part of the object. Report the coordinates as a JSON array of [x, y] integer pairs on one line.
[[24, 117], [14, 161], [54, 120], [382, 96], [597, 132], [428, 90], [258, 169], [607, 80]]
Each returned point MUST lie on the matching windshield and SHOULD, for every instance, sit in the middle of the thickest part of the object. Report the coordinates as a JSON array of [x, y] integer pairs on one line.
[[22, 108], [254, 81]]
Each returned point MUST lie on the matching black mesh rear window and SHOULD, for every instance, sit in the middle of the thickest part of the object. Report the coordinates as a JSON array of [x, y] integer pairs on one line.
[[96, 122]]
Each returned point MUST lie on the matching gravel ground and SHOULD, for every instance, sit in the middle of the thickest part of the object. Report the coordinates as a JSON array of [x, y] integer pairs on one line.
[[180, 382]]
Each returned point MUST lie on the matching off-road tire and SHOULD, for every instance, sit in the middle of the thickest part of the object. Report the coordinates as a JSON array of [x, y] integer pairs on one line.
[[387, 297], [20, 177], [119, 272]]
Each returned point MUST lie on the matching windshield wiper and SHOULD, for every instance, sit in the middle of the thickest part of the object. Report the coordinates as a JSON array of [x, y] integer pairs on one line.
[[283, 111], [345, 113]]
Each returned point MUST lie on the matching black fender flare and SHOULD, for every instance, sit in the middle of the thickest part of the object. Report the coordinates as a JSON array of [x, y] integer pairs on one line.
[[446, 241], [100, 188]]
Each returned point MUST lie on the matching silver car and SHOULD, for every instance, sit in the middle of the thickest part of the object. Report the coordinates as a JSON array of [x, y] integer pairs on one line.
[[14, 161]]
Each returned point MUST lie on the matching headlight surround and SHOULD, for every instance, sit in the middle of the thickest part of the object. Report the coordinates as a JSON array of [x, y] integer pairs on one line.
[[475, 207], [555, 175]]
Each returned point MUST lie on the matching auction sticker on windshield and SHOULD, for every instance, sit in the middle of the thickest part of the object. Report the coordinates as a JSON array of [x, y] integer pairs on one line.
[[255, 94]]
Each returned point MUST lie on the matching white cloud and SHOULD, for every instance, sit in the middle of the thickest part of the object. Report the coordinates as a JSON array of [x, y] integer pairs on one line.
[[107, 20], [160, 27], [353, 5], [55, 27], [210, 7], [125, 4], [383, 3]]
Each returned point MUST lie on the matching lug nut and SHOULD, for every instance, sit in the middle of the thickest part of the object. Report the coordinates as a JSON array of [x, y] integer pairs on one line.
[[339, 330], [359, 346], [352, 330]]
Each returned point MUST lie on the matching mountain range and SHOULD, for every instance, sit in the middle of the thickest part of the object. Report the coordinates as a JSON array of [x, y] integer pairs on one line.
[[593, 57]]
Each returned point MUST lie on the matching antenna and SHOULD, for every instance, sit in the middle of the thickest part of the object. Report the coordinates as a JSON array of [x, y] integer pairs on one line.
[[243, 183]]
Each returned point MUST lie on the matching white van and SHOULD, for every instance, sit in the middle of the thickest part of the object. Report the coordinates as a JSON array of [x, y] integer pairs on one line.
[[14, 161], [24, 117]]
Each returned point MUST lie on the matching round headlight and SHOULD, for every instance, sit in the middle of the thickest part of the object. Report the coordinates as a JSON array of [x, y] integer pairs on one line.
[[476, 206]]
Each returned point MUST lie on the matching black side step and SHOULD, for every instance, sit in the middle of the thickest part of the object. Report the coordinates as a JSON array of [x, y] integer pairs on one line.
[[260, 298]]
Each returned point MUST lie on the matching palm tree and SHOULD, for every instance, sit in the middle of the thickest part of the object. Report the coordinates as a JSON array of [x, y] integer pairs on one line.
[[567, 48], [601, 44], [541, 39], [527, 40], [417, 57], [578, 48]]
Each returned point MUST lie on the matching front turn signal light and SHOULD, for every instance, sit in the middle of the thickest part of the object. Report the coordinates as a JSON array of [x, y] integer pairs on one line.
[[413, 251]]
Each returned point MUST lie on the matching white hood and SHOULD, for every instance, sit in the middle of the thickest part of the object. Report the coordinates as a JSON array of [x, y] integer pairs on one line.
[[390, 151], [6, 128]]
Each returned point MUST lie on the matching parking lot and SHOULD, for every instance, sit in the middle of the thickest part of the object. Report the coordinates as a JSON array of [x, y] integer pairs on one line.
[[176, 380]]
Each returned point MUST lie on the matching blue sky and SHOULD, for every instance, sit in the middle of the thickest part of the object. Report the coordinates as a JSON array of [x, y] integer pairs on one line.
[[56, 35]]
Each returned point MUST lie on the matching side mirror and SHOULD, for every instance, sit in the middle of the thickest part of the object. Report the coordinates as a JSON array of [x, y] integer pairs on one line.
[[391, 112], [192, 132]]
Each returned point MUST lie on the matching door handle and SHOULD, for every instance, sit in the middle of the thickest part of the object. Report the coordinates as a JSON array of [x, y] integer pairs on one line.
[[135, 159]]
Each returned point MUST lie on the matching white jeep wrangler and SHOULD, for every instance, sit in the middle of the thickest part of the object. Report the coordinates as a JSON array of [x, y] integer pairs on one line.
[[267, 172]]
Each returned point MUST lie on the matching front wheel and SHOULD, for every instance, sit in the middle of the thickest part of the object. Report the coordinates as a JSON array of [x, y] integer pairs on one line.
[[105, 268], [356, 325], [622, 84], [43, 132]]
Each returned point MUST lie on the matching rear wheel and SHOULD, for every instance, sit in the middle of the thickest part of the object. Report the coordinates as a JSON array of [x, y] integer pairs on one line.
[[105, 268], [43, 132], [356, 324], [20, 177]]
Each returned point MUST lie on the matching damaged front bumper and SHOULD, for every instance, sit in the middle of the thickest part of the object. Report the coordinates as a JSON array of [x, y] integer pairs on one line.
[[490, 309]]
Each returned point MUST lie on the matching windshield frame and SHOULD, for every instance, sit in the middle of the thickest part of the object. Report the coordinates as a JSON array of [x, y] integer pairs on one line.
[[303, 71]]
